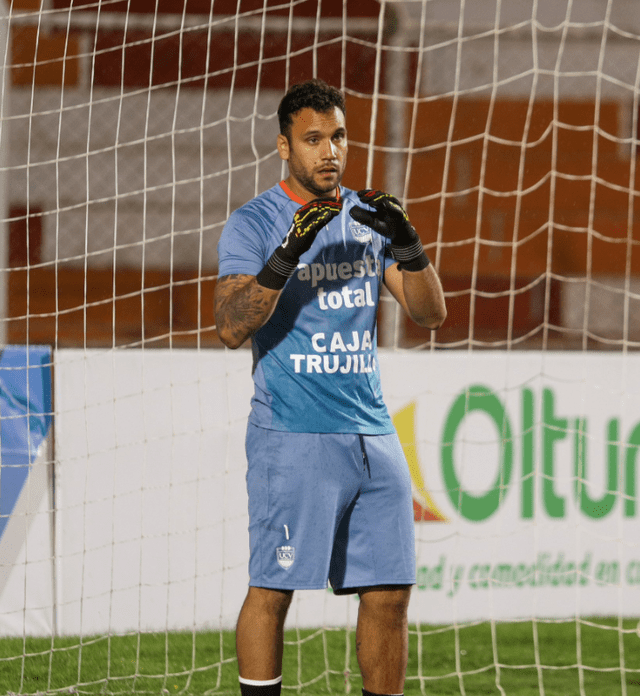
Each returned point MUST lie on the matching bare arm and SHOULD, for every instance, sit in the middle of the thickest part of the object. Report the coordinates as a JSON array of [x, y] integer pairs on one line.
[[419, 293], [242, 306]]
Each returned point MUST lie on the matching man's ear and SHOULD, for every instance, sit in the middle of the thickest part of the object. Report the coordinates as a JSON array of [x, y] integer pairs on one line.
[[283, 146]]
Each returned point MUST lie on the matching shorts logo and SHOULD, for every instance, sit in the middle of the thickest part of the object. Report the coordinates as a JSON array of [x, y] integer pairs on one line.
[[361, 233], [286, 555]]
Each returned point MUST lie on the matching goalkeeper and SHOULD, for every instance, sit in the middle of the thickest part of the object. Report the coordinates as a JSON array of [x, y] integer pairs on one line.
[[301, 268]]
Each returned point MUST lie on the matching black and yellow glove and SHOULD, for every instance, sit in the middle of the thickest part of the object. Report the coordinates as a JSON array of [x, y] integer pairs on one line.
[[389, 219], [307, 222]]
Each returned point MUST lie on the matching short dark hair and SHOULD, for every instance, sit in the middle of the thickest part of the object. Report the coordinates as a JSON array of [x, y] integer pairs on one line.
[[313, 94]]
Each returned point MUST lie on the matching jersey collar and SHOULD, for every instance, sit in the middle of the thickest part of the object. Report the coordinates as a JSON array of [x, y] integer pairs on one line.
[[294, 197]]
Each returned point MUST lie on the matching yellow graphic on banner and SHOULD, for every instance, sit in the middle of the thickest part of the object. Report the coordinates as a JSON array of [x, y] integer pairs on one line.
[[424, 509]]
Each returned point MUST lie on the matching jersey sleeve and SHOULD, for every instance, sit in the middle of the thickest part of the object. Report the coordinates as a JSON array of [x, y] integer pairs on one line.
[[241, 248]]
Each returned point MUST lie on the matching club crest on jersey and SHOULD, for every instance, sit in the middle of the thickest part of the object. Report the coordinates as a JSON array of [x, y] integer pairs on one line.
[[361, 233], [285, 556]]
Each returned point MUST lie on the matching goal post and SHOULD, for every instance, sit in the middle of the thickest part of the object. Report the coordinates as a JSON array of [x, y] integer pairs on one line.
[[510, 131]]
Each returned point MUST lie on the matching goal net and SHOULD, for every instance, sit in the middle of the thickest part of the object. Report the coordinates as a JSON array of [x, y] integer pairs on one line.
[[130, 130]]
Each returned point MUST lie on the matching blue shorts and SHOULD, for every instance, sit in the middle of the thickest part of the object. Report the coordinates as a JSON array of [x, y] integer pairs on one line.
[[328, 507]]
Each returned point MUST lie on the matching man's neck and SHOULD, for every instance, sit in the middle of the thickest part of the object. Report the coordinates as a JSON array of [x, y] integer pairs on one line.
[[301, 195]]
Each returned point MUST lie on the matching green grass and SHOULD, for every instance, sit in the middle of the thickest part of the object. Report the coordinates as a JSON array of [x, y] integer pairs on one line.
[[443, 661]]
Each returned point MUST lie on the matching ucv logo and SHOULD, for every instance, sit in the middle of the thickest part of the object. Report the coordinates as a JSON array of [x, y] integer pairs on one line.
[[286, 555]]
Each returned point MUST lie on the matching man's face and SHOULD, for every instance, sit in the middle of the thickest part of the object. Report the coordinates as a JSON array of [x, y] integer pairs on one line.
[[316, 152]]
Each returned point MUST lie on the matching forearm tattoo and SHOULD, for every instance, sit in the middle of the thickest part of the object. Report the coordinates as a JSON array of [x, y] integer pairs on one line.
[[242, 306]]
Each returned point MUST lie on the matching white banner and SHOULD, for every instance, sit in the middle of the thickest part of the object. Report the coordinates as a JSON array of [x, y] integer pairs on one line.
[[524, 468], [525, 482], [152, 529]]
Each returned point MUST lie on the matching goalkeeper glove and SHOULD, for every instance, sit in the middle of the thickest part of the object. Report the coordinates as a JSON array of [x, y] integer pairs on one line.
[[390, 220], [307, 222]]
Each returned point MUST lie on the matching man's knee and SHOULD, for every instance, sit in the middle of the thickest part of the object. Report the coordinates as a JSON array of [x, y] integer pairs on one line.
[[388, 599], [267, 601]]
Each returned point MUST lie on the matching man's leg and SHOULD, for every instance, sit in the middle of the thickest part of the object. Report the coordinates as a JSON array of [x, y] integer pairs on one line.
[[260, 634], [382, 638]]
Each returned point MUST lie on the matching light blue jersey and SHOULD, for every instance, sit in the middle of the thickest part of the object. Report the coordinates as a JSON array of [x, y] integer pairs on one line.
[[315, 364]]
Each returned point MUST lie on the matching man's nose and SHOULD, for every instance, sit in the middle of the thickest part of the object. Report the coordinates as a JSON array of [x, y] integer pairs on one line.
[[329, 150]]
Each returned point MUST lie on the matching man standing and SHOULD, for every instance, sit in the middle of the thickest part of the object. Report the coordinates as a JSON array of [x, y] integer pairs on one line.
[[301, 268]]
